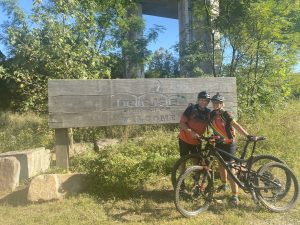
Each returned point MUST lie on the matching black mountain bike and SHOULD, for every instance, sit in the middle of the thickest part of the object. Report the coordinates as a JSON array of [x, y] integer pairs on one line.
[[194, 159], [273, 184]]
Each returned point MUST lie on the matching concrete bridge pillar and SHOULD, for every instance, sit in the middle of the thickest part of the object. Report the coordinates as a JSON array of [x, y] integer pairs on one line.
[[192, 28], [134, 69], [198, 27]]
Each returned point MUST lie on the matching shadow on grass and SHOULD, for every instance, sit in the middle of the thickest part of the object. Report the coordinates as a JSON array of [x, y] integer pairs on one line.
[[158, 205], [16, 198], [143, 206]]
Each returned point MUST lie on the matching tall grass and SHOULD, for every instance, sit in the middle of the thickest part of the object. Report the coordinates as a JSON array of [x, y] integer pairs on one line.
[[282, 129], [24, 131]]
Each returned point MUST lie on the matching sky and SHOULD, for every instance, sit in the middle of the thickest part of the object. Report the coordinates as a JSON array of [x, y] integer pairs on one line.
[[167, 39]]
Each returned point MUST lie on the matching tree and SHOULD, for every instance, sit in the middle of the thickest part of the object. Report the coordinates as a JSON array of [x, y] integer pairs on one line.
[[262, 41], [65, 40], [162, 65]]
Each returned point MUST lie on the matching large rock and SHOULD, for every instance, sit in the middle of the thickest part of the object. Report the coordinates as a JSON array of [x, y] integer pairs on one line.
[[44, 187], [9, 173], [32, 161], [55, 186]]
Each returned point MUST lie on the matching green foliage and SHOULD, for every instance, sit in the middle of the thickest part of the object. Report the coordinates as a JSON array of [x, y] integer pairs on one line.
[[281, 127], [24, 131], [162, 65], [127, 166], [60, 40], [294, 82], [262, 39], [193, 58]]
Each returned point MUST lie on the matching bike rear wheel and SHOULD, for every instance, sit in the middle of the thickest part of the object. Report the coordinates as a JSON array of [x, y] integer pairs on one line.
[[193, 192], [189, 160], [277, 187], [261, 160]]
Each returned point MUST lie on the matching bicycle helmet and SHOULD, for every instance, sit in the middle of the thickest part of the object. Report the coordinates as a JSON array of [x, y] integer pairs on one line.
[[203, 94], [217, 98]]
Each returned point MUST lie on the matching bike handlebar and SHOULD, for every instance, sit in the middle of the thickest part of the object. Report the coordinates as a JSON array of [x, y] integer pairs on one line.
[[224, 140]]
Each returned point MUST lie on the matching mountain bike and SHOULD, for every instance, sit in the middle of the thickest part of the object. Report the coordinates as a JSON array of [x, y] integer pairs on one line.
[[273, 184], [194, 159]]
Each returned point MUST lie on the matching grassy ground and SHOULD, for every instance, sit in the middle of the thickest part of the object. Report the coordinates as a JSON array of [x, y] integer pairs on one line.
[[154, 203], [152, 206]]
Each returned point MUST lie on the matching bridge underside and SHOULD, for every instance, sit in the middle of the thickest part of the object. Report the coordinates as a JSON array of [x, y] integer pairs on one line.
[[162, 8], [190, 29]]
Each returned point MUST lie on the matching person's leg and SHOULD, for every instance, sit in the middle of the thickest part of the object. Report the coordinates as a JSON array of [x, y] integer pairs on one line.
[[223, 174], [234, 200], [233, 185], [184, 149], [194, 149], [222, 171]]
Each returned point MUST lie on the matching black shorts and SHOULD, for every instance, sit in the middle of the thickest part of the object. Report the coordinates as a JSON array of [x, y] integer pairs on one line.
[[230, 148], [185, 148]]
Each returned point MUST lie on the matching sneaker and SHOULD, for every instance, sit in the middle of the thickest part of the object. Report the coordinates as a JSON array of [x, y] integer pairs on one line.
[[234, 200], [223, 187]]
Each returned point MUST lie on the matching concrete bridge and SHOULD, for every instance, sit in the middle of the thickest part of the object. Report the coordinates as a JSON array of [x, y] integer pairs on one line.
[[191, 28]]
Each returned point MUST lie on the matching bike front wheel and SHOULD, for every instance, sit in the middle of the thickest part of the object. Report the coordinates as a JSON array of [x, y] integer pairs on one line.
[[277, 187], [193, 192], [186, 161]]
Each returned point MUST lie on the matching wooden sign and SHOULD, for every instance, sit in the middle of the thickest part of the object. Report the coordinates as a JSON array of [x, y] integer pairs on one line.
[[92, 103]]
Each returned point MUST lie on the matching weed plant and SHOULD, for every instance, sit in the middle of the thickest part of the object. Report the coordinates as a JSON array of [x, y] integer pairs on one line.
[[24, 131]]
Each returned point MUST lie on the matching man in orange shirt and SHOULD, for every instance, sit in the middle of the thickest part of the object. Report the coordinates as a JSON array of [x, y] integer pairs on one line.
[[193, 123]]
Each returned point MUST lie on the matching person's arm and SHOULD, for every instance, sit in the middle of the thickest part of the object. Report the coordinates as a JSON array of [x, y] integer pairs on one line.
[[239, 128], [186, 128], [183, 122]]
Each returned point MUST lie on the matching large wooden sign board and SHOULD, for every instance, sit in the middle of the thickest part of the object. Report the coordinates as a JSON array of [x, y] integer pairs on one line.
[[92, 103]]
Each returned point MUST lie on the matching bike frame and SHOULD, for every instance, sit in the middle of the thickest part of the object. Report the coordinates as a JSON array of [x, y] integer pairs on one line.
[[215, 152]]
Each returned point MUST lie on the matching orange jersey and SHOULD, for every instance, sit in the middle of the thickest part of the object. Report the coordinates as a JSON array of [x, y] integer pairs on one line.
[[197, 120], [220, 122]]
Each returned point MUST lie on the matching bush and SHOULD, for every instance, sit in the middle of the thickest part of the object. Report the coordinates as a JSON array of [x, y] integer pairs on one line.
[[126, 166]]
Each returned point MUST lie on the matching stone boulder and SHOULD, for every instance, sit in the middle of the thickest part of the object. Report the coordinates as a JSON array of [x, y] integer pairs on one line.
[[44, 187], [55, 186], [9, 174], [32, 161]]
